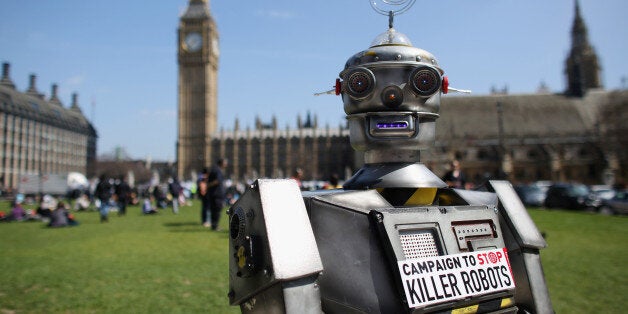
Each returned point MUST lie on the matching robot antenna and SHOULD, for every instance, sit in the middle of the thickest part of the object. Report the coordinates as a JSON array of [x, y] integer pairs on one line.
[[400, 5]]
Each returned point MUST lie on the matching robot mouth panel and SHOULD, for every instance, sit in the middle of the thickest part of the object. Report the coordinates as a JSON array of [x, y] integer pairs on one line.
[[392, 126]]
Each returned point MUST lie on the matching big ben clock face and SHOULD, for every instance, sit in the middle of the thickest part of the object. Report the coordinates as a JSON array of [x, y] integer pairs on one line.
[[193, 42]]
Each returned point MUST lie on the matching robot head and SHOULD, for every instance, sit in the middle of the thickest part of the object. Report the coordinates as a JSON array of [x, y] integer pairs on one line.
[[391, 95]]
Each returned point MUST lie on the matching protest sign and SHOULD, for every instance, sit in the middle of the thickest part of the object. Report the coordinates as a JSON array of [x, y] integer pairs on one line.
[[438, 279]]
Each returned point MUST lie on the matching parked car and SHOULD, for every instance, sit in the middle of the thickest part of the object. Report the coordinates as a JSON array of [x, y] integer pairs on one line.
[[617, 205], [531, 194], [603, 192], [570, 196]]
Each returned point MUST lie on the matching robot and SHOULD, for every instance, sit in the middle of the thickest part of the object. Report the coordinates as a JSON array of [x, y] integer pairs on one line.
[[396, 238]]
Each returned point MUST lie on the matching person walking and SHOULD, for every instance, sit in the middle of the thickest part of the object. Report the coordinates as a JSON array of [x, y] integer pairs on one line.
[[201, 184], [174, 187], [123, 194], [216, 192], [103, 193]]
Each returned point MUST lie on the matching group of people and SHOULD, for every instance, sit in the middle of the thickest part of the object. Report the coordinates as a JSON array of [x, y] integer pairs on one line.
[[158, 199], [105, 191], [119, 194], [210, 189], [53, 213]]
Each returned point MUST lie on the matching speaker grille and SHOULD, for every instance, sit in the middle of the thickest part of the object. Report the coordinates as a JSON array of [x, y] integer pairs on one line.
[[418, 243]]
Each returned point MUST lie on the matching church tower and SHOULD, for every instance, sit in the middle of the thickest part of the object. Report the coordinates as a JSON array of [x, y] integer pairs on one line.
[[197, 99], [581, 67]]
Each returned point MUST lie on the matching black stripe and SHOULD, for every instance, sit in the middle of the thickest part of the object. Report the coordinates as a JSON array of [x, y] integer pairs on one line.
[[398, 196], [489, 306]]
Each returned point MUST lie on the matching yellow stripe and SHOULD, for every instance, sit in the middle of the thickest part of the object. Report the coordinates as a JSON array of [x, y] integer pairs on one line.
[[422, 196], [466, 310], [472, 309], [508, 302]]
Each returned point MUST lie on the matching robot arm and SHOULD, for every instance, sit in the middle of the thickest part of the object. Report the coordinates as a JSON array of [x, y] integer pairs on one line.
[[524, 241], [274, 261]]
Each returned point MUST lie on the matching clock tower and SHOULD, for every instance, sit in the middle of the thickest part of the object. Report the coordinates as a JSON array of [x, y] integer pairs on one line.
[[197, 99]]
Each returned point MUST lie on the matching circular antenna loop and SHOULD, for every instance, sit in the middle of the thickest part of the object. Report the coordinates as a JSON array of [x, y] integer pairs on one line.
[[391, 7]]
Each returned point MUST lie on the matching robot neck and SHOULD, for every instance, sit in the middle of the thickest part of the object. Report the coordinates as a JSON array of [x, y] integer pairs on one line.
[[392, 156]]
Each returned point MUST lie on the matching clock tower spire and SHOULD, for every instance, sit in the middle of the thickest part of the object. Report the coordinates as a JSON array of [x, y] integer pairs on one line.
[[197, 96]]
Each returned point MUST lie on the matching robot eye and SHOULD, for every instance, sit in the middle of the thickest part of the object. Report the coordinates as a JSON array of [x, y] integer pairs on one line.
[[360, 82], [425, 81]]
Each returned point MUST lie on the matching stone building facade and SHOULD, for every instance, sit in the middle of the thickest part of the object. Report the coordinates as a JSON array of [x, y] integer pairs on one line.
[[41, 136], [533, 137], [270, 152]]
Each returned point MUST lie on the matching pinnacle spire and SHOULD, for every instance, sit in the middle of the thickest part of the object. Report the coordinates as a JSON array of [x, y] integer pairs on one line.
[[582, 67]]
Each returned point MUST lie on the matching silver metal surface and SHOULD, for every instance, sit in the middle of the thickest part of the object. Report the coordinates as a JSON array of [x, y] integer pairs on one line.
[[472, 230], [526, 232], [271, 239], [538, 288], [358, 277], [421, 137], [442, 222], [302, 296], [290, 238], [477, 197], [358, 200], [398, 175]]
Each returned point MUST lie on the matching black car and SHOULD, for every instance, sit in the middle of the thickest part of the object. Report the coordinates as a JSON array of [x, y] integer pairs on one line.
[[570, 196]]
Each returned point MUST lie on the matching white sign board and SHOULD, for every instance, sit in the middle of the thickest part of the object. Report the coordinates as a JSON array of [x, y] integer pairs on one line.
[[438, 279]]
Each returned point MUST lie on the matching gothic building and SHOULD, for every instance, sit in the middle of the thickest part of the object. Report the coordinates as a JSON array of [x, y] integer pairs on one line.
[[577, 135], [41, 136], [270, 152]]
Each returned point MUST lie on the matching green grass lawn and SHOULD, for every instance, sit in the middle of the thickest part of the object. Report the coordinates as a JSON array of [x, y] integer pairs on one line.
[[169, 263], [585, 261], [162, 263]]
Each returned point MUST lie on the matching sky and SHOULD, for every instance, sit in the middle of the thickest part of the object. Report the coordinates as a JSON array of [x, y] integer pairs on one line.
[[120, 56]]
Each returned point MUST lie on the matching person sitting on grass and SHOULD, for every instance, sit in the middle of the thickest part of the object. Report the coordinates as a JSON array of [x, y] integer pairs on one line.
[[147, 208], [17, 213], [59, 216]]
